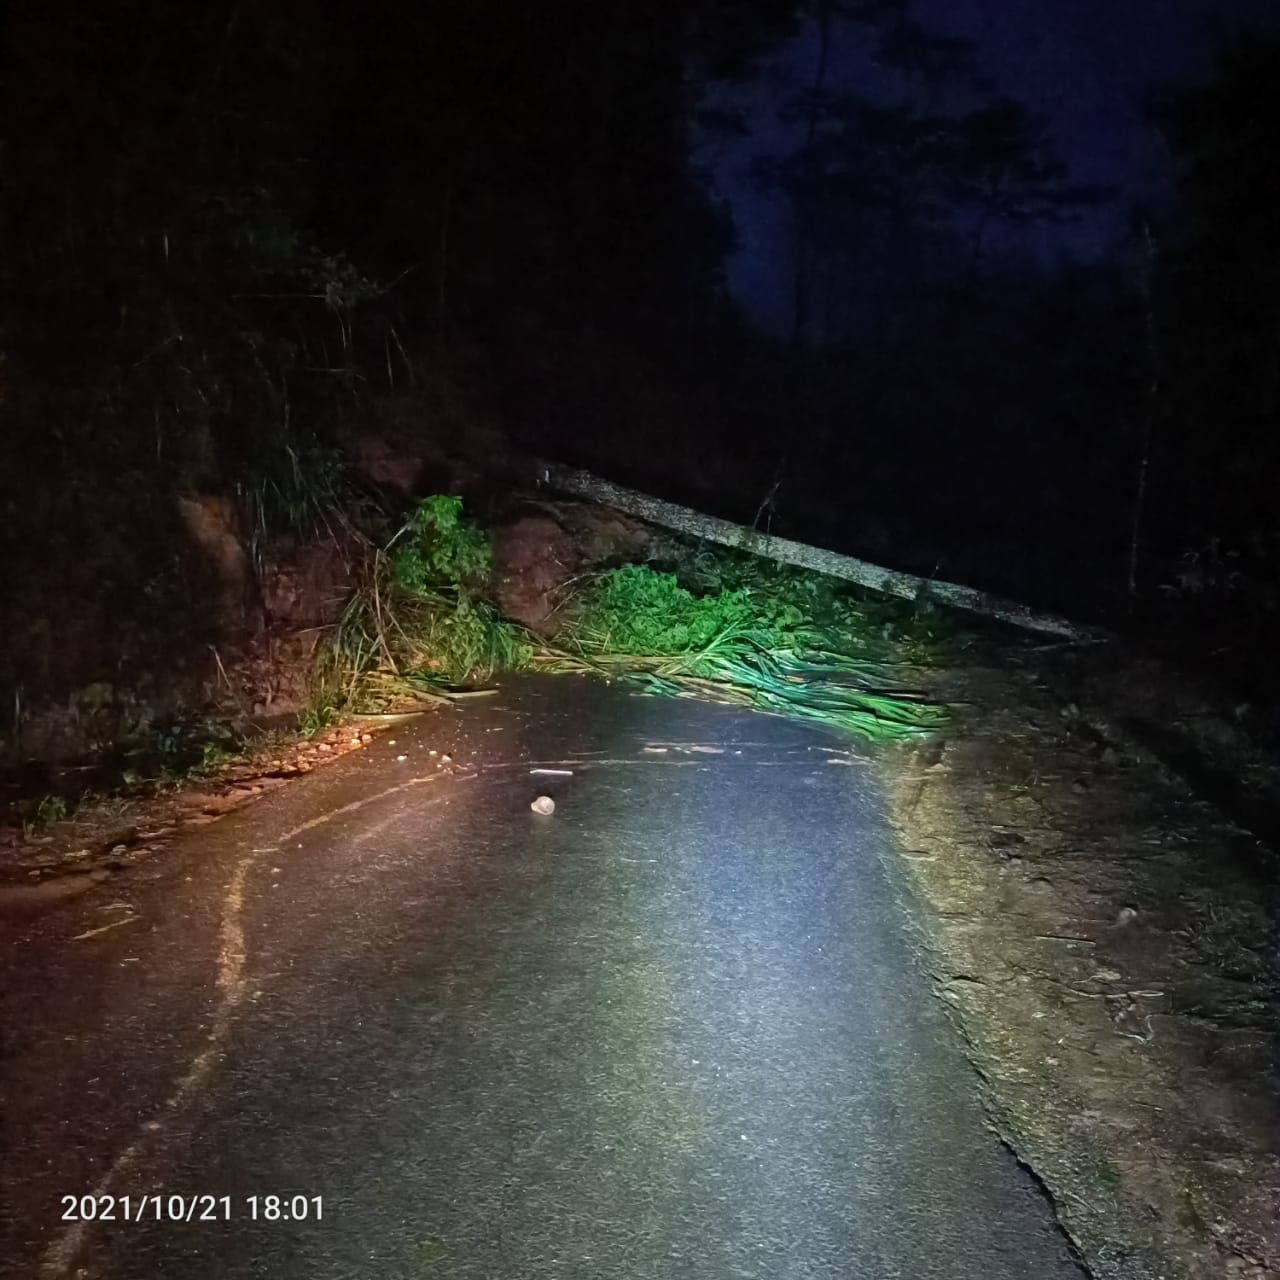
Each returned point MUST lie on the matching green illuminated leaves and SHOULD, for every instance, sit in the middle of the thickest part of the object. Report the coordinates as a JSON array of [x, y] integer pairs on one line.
[[438, 549], [751, 644]]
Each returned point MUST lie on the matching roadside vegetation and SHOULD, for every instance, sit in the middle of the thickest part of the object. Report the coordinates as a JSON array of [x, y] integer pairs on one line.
[[418, 627], [174, 752], [723, 625], [777, 640], [421, 628]]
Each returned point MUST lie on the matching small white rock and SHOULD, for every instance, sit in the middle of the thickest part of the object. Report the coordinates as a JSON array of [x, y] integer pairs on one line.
[[401, 759], [544, 805]]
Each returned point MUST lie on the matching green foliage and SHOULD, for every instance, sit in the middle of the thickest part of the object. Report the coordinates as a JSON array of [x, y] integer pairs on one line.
[[779, 641], [788, 599], [463, 640], [636, 609], [419, 627], [439, 550]]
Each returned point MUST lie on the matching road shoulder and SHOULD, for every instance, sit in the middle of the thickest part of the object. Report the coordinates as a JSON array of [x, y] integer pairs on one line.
[[1104, 939]]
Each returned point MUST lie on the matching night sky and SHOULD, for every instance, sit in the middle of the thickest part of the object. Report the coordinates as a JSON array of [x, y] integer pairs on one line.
[[1086, 66]]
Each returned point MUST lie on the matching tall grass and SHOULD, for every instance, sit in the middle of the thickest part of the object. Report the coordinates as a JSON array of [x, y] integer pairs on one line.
[[419, 628]]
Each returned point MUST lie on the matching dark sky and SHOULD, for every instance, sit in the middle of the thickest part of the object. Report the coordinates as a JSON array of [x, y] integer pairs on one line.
[[1087, 66]]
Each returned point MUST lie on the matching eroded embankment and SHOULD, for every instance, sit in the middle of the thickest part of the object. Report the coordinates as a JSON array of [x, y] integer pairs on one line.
[[1105, 942]]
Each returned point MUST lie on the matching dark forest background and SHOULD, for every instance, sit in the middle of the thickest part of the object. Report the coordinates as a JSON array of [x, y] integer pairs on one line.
[[233, 233]]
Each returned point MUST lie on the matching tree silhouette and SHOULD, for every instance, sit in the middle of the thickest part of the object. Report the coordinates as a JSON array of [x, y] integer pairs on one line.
[[915, 163], [1217, 296]]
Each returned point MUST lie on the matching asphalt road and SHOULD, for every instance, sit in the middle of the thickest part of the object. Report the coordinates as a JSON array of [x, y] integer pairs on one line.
[[676, 1029]]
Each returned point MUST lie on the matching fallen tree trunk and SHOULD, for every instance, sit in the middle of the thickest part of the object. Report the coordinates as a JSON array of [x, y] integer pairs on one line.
[[892, 582]]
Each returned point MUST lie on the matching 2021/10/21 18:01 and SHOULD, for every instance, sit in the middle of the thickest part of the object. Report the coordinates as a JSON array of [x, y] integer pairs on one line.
[[192, 1208]]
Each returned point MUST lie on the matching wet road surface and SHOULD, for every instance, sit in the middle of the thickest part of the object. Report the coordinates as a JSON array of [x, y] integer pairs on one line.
[[676, 1029]]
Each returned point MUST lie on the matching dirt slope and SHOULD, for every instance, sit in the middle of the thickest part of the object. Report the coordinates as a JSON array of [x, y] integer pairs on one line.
[[1106, 940]]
